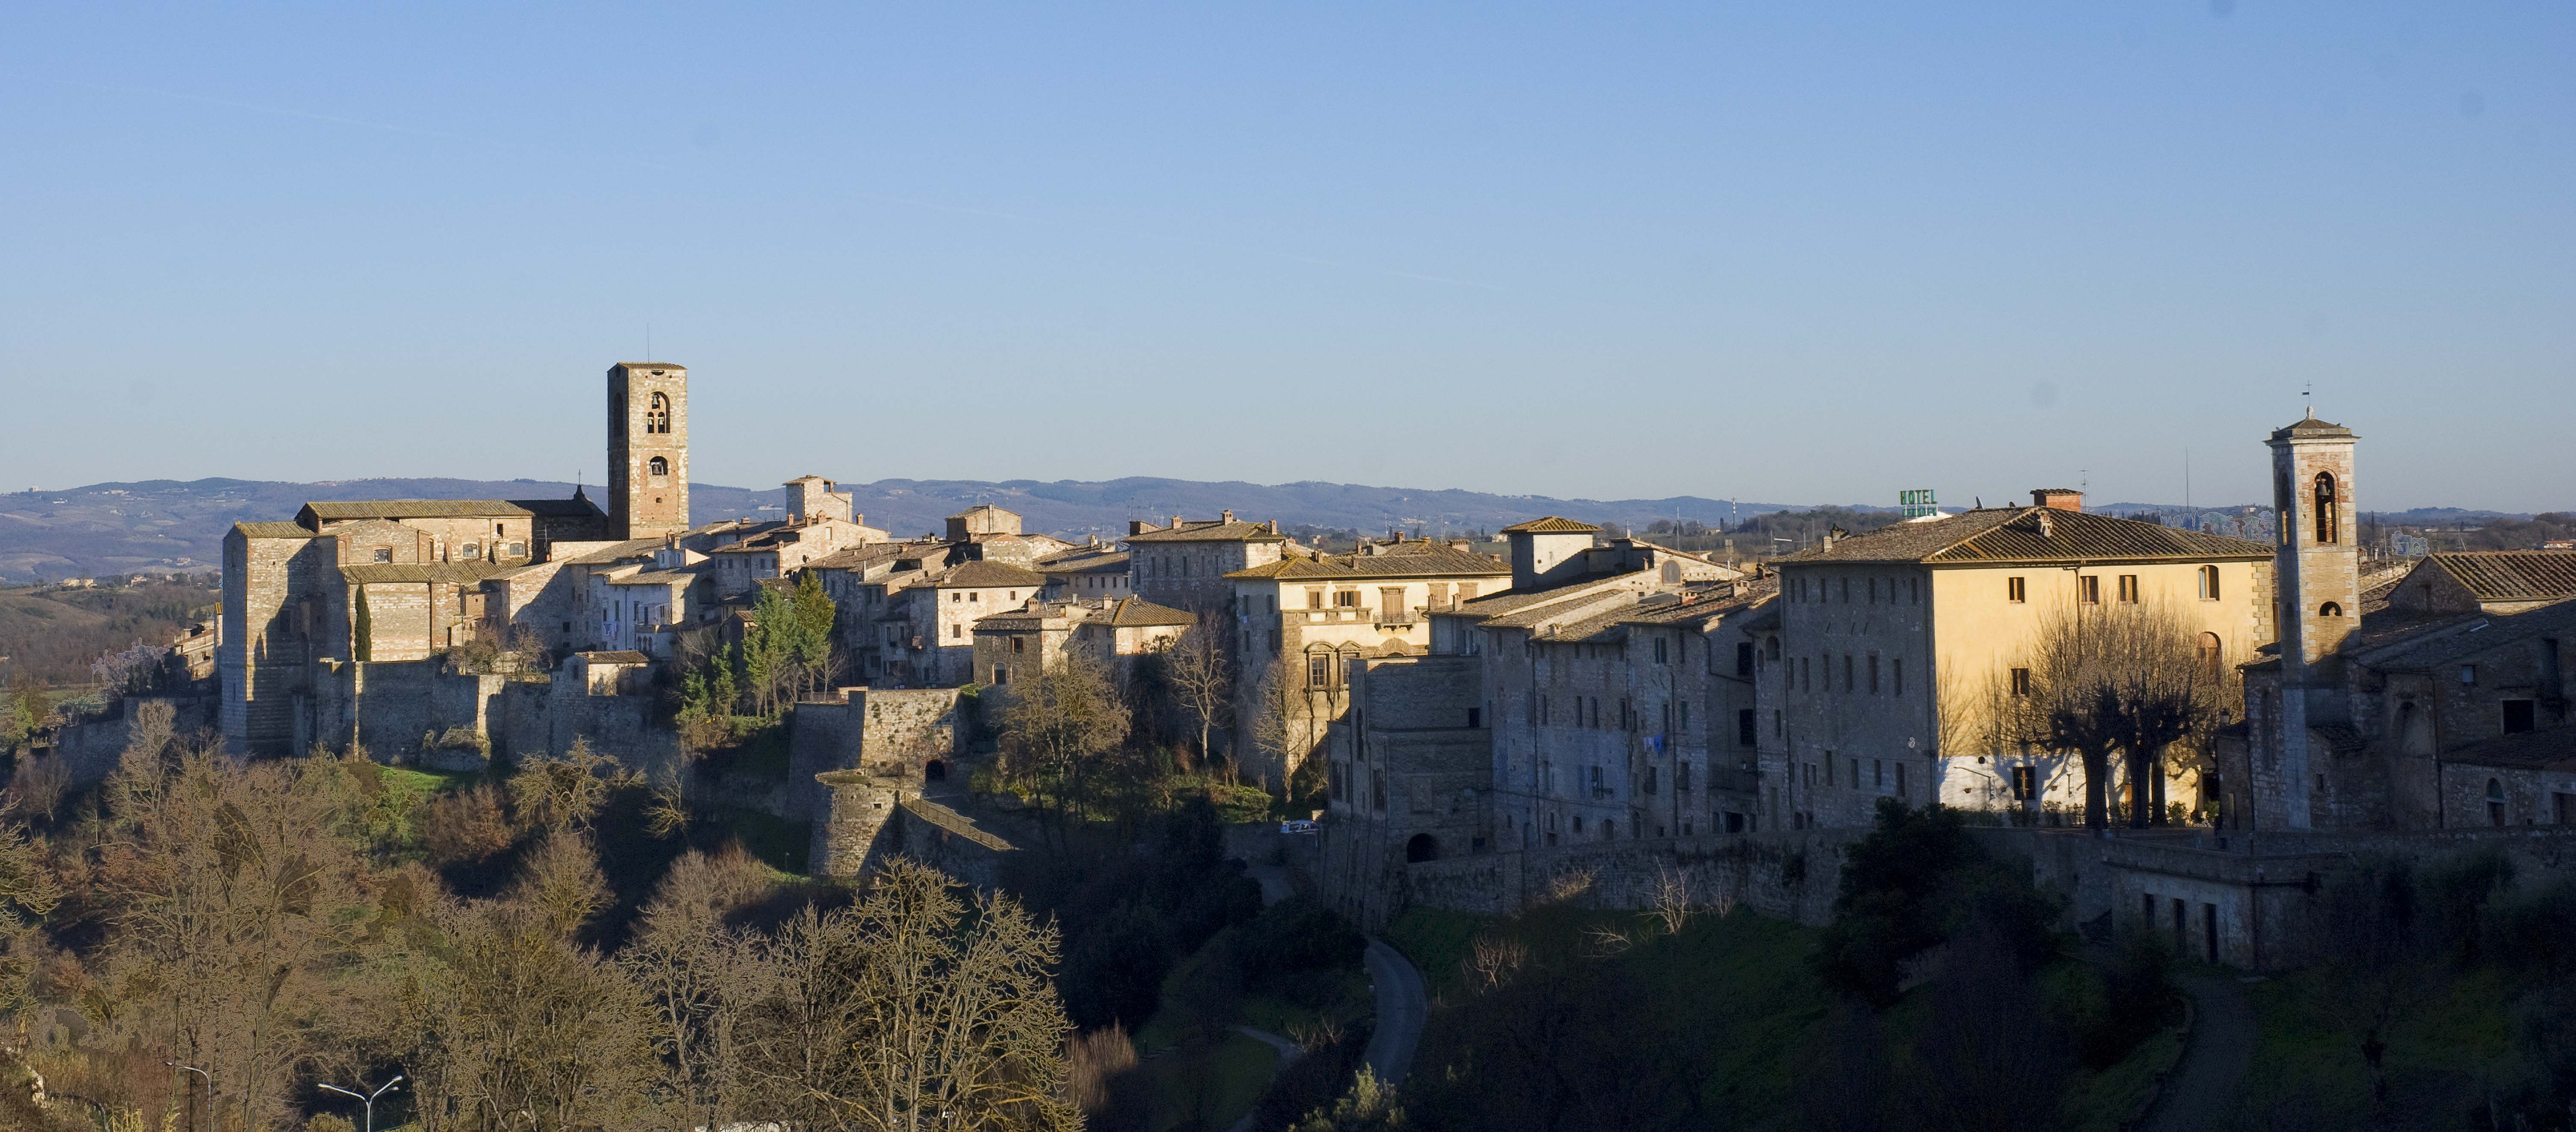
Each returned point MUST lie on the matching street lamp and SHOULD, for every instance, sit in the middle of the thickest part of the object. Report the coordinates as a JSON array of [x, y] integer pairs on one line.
[[369, 1098], [210, 1091]]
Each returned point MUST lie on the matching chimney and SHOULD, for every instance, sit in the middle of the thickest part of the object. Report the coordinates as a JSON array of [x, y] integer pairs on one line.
[[2059, 498], [1225, 516], [1274, 526], [1458, 544], [1176, 522], [1138, 526], [1399, 536]]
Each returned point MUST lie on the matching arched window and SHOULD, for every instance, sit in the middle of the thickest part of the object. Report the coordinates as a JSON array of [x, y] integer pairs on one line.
[[2209, 655], [2329, 522], [657, 414], [2209, 583], [657, 467], [2330, 609], [1422, 847], [2495, 803]]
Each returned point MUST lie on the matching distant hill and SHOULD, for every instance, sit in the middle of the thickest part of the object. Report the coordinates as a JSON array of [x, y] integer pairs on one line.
[[157, 525]]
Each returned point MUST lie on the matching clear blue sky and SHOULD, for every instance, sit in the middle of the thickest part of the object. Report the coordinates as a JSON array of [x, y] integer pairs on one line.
[[1793, 252]]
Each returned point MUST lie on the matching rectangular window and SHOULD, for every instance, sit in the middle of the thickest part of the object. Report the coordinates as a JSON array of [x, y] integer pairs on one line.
[[2021, 681], [2089, 589], [1650, 780], [1848, 684], [1897, 665], [2469, 674], [1806, 676], [1017, 644], [1877, 772], [956, 630], [2025, 781], [1744, 727], [1475, 717], [1319, 672], [2015, 591], [1873, 674], [1659, 650], [1900, 780], [1314, 599], [2128, 589], [1466, 591], [1001, 675], [1914, 590], [1846, 591], [384, 554], [1779, 725], [2518, 716], [1681, 778], [1346, 599], [1744, 659], [1273, 601]]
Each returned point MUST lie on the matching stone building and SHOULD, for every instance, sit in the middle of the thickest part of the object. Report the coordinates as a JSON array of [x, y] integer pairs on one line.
[[365, 580], [1184, 565], [1019, 643], [2439, 703], [648, 449], [1298, 622], [1888, 642], [1086, 573]]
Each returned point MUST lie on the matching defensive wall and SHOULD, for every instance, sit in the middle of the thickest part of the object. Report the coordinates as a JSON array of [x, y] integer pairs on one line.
[[881, 731], [868, 818]]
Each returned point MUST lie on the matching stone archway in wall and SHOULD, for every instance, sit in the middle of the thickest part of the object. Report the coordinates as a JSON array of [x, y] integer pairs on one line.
[[1421, 847], [936, 770]]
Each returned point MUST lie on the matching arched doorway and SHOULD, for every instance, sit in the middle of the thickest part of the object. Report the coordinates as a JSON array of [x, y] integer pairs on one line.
[[1423, 847], [934, 771]]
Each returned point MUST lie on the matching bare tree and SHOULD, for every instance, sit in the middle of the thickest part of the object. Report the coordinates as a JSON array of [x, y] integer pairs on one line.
[[2129, 678], [1201, 678], [1277, 723], [567, 792], [1054, 726]]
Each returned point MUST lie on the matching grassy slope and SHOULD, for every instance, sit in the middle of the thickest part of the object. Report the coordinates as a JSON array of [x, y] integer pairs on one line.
[[1752, 999], [2446, 1049]]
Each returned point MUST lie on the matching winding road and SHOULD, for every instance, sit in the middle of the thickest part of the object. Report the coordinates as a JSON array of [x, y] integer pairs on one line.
[[1402, 1001], [2202, 1090]]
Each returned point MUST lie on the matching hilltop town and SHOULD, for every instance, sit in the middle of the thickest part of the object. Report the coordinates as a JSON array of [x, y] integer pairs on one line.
[[2161, 732]]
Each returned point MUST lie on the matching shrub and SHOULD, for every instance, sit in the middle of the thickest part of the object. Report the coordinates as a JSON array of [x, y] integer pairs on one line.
[[1113, 971], [463, 827], [2138, 998]]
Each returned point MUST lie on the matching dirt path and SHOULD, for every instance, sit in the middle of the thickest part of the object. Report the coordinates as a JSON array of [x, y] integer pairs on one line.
[[2203, 1089], [1288, 1052], [1402, 1003]]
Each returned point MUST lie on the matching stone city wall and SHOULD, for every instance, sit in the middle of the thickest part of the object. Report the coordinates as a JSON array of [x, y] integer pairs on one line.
[[880, 730]]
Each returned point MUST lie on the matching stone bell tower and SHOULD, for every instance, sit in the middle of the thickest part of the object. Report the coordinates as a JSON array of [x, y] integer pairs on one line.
[[648, 449], [2317, 590], [2318, 565]]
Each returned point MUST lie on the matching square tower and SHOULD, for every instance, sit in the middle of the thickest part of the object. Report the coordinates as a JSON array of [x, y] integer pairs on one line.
[[648, 449], [2318, 566]]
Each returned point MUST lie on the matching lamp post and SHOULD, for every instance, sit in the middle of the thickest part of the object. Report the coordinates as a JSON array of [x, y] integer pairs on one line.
[[210, 1091], [368, 1098]]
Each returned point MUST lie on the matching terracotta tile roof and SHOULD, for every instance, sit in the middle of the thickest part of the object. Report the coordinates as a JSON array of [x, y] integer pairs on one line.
[[858, 556], [617, 656], [1425, 563], [577, 507], [2027, 534], [374, 573], [1550, 525], [2554, 750], [1209, 530], [1085, 560], [982, 574], [334, 509], [275, 530], [657, 578], [2511, 575], [2459, 637], [1136, 612], [2311, 427], [631, 548]]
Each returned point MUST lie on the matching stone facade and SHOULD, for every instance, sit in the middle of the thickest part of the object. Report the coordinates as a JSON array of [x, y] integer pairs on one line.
[[648, 449], [1184, 565], [1887, 644]]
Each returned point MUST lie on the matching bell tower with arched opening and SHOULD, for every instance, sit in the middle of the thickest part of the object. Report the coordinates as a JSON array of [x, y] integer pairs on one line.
[[2317, 590], [2318, 565], [648, 449]]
